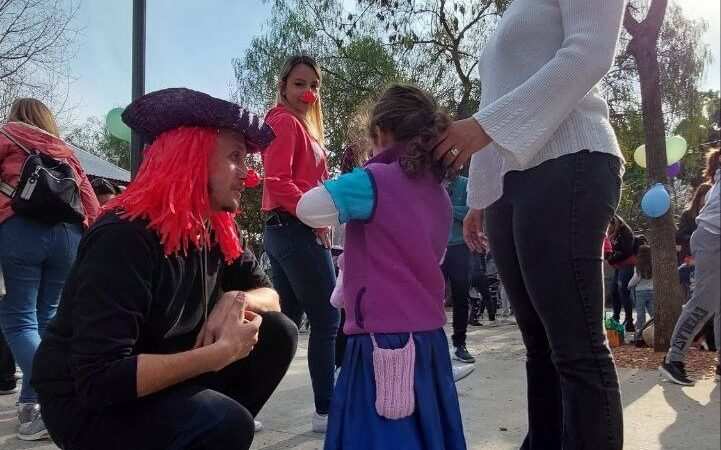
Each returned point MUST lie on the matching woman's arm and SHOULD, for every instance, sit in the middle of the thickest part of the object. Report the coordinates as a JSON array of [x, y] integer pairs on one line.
[[278, 162]]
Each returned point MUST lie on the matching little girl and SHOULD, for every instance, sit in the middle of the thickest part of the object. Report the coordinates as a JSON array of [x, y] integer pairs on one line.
[[396, 389], [642, 285]]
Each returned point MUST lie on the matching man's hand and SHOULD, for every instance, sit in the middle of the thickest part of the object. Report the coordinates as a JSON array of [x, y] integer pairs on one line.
[[473, 231], [210, 332], [238, 336], [462, 139], [322, 235]]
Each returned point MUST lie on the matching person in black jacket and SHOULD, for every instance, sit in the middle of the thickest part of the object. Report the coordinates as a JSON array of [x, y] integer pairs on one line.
[[168, 335], [622, 258], [687, 221]]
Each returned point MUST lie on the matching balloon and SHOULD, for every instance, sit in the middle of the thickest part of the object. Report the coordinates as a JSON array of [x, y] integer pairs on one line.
[[675, 151], [656, 201], [639, 155], [115, 125], [673, 170]]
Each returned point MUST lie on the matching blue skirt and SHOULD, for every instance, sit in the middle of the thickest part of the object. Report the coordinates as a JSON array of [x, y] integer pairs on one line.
[[353, 422]]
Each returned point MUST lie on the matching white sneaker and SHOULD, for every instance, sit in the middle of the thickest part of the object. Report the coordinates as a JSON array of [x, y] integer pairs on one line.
[[319, 423], [461, 372], [491, 323], [258, 425]]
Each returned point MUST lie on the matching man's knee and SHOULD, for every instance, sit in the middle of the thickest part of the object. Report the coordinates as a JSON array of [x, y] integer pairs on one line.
[[279, 332]]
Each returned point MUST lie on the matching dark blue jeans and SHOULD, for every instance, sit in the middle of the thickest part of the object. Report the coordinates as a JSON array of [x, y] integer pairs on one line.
[[622, 297], [36, 260], [304, 277], [546, 233], [456, 269]]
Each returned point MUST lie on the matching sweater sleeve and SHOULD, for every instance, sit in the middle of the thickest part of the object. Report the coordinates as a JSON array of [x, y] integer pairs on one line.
[[112, 299], [278, 162], [524, 119]]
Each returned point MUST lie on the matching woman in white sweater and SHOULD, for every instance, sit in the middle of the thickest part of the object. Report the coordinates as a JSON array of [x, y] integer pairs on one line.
[[546, 171]]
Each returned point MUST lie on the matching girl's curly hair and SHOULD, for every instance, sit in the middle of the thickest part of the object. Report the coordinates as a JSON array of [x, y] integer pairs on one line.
[[413, 117]]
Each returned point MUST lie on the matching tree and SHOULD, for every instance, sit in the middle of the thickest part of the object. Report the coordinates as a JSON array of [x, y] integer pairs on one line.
[[93, 137], [644, 49], [36, 43]]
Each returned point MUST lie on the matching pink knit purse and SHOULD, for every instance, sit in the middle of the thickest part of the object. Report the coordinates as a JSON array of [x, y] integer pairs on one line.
[[394, 373]]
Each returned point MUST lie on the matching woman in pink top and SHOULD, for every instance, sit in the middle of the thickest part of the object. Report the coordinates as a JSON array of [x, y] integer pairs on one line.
[[36, 257]]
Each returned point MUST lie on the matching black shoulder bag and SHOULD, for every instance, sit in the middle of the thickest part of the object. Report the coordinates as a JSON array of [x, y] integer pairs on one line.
[[47, 192]]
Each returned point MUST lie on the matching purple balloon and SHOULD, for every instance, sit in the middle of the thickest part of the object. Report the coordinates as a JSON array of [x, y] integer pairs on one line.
[[673, 170]]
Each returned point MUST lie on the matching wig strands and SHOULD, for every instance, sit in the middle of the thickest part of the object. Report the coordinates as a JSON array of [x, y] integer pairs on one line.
[[171, 192]]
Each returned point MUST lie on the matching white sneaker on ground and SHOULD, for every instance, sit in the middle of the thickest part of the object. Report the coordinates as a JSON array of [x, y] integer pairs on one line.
[[258, 425], [461, 372], [319, 423], [492, 323]]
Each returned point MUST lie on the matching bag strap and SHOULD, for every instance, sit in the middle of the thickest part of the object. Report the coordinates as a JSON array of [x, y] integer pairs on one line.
[[14, 141]]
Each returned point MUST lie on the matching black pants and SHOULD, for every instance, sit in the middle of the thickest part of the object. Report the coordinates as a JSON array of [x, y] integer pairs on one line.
[[489, 296], [7, 363], [455, 268], [622, 294], [546, 234], [210, 412]]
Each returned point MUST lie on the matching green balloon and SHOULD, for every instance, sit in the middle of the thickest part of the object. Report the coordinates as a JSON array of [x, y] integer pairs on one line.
[[675, 151], [115, 125]]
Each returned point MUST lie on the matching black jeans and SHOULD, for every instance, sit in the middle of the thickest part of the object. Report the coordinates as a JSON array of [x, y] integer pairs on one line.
[[304, 276], [622, 297], [546, 234], [213, 411], [7, 363], [455, 268]]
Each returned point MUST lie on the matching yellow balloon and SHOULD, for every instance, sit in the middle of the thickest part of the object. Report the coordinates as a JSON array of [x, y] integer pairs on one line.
[[675, 151], [639, 155]]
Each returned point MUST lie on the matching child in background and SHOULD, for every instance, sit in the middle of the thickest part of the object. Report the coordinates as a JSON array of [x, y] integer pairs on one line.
[[396, 388], [642, 285]]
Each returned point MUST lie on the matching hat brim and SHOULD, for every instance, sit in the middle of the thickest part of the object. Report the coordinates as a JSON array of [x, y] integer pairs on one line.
[[159, 111]]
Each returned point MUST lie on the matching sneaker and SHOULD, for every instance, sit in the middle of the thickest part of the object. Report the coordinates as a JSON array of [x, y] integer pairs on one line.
[[675, 371], [461, 372], [475, 323], [717, 378], [461, 354], [492, 323], [473, 293], [32, 427], [258, 425], [8, 387], [640, 343], [630, 328], [319, 422]]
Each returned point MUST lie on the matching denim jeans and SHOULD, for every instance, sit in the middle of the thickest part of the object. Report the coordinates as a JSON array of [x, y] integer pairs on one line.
[[545, 233], [212, 411], [643, 304], [622, 295], [304, 277], [36, 259], [456, 269]]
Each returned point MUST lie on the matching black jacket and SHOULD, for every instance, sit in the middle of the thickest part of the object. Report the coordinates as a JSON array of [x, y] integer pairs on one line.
[[622, 246], [124, 297]]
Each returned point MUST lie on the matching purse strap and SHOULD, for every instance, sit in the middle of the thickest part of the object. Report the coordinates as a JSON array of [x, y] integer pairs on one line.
[[4, 187]]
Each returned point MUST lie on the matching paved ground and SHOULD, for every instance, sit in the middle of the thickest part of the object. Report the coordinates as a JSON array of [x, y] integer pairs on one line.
[[657, 415]]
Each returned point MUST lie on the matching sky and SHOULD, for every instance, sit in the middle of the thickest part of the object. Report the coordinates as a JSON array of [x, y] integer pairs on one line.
[[191, 44]]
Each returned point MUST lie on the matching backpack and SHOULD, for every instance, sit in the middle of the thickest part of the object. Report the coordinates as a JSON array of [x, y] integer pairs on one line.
[[47, 191]]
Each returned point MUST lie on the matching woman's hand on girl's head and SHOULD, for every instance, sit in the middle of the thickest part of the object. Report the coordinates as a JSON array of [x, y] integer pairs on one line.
[[462, 139]]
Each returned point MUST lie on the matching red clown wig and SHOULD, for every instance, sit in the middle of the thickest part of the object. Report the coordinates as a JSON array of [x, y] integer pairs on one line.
[[170, 191]]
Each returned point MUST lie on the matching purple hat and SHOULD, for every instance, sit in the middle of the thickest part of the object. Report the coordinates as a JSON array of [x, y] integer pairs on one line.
[[159, 111]]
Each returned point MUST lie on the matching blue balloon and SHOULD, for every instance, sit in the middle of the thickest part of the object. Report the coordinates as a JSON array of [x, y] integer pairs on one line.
[[656, 201]]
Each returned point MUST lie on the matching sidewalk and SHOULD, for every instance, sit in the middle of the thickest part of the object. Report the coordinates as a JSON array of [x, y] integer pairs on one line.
[[657, 415]]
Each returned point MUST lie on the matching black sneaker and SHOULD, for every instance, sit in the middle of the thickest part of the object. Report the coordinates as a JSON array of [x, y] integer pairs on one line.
[[475, 323], [717, 378], [629, 327], [8, 387], [640, 343], [461, 354], [675, 371]]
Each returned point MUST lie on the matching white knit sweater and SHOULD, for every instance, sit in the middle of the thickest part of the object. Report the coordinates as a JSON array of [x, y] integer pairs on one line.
[[539, 99]]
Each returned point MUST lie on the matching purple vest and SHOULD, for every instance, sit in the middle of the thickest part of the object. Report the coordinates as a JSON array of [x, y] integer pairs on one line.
[[392, 278]]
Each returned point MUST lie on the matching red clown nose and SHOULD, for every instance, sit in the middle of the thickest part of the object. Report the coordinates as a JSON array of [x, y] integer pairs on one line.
[[252, 179], [309, 97]]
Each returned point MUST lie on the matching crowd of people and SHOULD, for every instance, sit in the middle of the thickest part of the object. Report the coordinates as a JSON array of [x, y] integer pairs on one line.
[[150, 319]]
